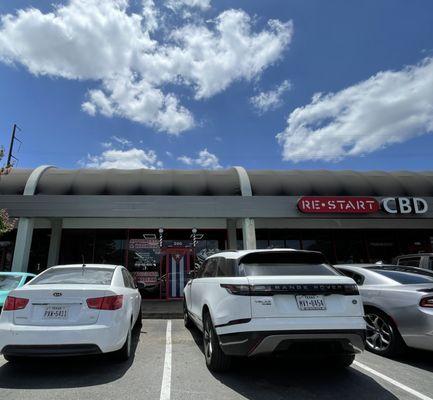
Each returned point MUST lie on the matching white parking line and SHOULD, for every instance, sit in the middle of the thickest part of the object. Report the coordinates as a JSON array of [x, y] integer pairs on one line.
[[392, 381], [166, 375]]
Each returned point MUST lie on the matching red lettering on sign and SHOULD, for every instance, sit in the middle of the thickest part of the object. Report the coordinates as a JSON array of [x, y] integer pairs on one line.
[[338, 205]]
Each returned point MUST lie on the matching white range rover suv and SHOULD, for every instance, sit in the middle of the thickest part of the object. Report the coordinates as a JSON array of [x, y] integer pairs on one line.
[[255, 302]]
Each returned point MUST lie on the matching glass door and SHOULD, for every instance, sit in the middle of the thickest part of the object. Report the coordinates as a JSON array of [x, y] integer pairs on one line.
[[176, 261]]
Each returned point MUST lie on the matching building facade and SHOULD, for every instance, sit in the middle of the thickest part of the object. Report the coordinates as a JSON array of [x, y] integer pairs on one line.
[[160, 223]]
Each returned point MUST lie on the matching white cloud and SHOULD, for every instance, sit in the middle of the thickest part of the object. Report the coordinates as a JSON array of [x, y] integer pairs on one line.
[[266, 101], [102, 41], [205, 159], [121, 140], [388, 108], [177, 4], [124, 159]]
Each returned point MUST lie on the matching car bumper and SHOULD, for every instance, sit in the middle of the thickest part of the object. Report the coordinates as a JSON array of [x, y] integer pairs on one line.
[[416, 328], [64, 350], [268, 335], [260, 343], [61, 340]]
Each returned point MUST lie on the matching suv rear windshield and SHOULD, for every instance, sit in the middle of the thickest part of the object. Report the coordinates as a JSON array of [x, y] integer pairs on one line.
[[75, 276], [9, 282], [285, 263]]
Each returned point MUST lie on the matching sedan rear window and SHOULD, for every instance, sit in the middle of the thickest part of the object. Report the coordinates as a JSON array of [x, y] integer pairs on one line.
[[9, 282], [75, 276], [405, 278]]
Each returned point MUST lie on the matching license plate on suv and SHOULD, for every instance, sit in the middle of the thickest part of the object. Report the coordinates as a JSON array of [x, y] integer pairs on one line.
[[311, 302], [59, 311]]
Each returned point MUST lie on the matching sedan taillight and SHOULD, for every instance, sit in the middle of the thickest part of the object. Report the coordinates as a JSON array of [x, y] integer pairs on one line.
[[426, 302], [15, 303], [106, 302]]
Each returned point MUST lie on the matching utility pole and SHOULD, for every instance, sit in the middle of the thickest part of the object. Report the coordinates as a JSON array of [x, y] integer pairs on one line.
[[11, 147]]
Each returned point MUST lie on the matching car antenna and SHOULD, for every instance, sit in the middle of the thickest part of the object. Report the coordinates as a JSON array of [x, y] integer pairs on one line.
[[84, 264]]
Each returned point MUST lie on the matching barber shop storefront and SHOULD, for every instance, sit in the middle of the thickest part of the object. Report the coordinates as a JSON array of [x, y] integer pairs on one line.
[[161, 224]]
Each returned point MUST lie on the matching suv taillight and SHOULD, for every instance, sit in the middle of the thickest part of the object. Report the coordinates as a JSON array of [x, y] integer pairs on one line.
[[106, 302], [426, 302], [240, 290], [15, 303]]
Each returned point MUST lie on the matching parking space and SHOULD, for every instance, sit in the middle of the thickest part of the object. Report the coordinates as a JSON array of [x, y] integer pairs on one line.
[[186, 376]]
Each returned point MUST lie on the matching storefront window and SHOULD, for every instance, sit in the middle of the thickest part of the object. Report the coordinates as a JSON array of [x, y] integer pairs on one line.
[[98, 246], [322, 243], [110, 247], [152, 266], [293, 244], [350, 248], [7, 244], [414, 242], [382, 246], [38, 257]]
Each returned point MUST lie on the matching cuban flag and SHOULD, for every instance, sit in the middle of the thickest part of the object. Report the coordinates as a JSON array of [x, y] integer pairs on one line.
[[177, 264]]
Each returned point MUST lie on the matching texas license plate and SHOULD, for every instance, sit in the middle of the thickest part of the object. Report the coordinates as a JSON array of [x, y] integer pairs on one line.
[[56, 312], [311, 302]]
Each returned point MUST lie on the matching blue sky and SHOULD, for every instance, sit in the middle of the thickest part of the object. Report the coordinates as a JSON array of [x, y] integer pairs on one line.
[[361, 121]]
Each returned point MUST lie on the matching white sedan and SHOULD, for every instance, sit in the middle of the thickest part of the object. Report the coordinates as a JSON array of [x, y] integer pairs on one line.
[[71, 310]]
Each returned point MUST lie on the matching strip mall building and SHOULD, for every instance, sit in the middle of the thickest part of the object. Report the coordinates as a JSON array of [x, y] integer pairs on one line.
[[159, 222]]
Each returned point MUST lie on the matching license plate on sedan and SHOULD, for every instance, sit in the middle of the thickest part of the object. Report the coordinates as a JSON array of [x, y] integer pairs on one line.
[[56, 311], [311, 302]]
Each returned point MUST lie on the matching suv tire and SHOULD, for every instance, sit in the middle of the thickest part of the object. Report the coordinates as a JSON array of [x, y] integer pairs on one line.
[[186, 318], [216, 360]]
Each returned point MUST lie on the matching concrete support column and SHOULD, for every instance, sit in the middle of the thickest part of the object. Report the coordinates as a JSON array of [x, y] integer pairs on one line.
[[249, 233], [23, 244], [231, 234], [248, 225], [23, 241], [56, 237]]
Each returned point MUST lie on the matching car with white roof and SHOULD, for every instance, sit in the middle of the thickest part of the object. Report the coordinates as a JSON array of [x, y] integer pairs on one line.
[[71, 310], [257, 302]]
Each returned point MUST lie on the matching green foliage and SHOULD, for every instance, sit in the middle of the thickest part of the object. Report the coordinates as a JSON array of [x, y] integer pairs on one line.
[[6, 224]]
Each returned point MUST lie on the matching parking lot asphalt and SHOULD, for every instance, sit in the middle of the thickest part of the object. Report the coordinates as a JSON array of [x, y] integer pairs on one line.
[[177, 371]]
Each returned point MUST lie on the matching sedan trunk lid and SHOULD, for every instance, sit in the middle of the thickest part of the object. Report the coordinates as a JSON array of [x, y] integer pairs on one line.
[[58, 305]]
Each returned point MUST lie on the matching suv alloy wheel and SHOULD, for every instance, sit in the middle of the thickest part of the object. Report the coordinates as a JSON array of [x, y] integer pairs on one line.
[[216, 360]]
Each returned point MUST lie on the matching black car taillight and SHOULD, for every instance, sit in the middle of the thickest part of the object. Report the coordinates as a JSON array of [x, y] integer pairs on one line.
[[426, 302], [351, 290], [240, 290]]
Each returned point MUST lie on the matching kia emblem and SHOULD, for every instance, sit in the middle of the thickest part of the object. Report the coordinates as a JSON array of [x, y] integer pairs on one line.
[[57, 294]]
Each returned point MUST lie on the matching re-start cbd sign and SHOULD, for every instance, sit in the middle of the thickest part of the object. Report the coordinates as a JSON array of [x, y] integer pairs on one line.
[[338, 205]]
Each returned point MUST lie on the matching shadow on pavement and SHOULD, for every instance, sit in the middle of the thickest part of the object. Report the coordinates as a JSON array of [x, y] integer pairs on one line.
[[421, 359], [58, 373], [295, 378]]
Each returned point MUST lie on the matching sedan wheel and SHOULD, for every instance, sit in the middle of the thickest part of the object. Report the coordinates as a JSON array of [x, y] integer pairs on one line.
[[382, 335]]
